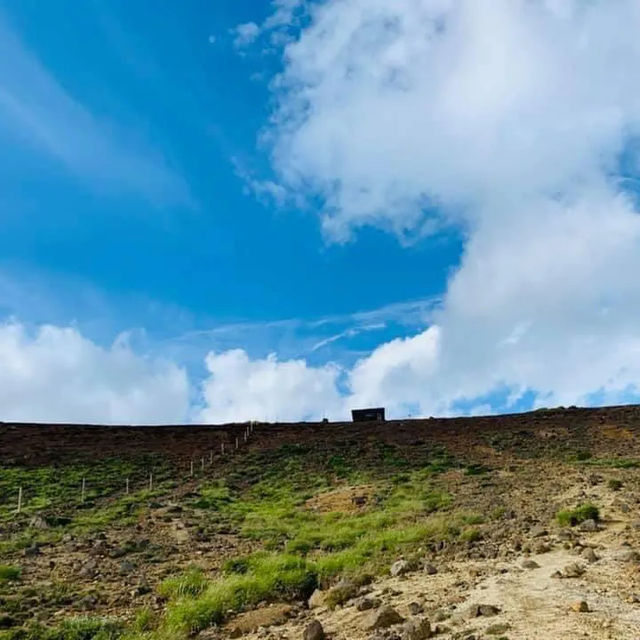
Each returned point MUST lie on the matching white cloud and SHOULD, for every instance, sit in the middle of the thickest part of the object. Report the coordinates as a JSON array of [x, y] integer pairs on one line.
[[240, 389], [57, 375], [514, 120], [245, 34], [37, 111]]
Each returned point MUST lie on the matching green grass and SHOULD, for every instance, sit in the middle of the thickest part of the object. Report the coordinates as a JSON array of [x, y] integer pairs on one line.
[[191, 583], [9, 573], [84, 628], [572, 517]]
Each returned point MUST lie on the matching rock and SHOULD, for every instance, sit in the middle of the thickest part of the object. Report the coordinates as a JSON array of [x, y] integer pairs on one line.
[[483, 610], [415, 608], [580, 606], [31, 551], [126, 568], [538, 532], [317, 599], [313, 631], [430, 569], [365, 604], [385, 617], [89, 569], [399, 568], [589, 555], [573, 570], [340, 593], [530, 564], [589, 525], [416, 630], [628, 556], [38, 522], [542, 547], [497, 629]]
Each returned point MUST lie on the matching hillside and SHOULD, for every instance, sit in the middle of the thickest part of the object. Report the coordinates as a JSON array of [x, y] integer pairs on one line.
[[491, 527]]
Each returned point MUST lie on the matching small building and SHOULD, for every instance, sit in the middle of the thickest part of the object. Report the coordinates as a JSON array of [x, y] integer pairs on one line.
[[368, 415]]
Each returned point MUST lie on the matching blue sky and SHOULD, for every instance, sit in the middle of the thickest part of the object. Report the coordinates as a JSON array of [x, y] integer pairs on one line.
[[175, 190]]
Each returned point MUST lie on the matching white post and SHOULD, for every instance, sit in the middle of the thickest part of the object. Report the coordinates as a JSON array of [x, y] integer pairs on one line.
[[211, 456], [150, 481], [236, 443], [126, 486], [19, 499], [222, 448], [84, 490], [192, 468], [202, 464], [245, 435]]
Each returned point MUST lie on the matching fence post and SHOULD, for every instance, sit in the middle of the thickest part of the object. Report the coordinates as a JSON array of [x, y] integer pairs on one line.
[[150, 481], [19, 500], [191, 468], [222, 448], [202, 464], [126, 486], [211, 456], [84, 490], [236, 443]]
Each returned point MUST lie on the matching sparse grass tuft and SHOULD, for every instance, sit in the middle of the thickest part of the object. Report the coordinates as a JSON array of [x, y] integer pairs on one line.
[[190, 583], [9, 573], [572, 517]]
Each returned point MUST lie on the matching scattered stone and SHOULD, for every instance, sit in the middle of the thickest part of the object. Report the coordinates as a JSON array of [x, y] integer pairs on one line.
[[497, 629], [589, 555], [385, 617], [542, 547], [316, 600], [430, 569], [573, 570], [126, 568], [628, 556], [530, 564], [485, 610], [538, 532], [580, 606], [313, 631], [38, 522], [416, 629], [399, 568], [415, 608], [589, 526], [340, 593], [365, 604], [31, 551]]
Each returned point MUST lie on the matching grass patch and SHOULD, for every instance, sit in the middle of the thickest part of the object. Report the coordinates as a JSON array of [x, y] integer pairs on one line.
[[572, 517], [9, 573], [191, 583]]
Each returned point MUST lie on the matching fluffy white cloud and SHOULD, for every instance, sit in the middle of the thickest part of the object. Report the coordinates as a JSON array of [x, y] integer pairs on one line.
[[513, 119], [396, 112], [57, 375], [240, 389]]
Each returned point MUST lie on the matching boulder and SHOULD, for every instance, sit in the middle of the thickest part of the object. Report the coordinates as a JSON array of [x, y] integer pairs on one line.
[[416, 629], [385, 617], [399, 568], [313, 631]]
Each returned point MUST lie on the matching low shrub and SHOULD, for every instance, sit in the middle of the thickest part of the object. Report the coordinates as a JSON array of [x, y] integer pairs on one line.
[[572, 517]]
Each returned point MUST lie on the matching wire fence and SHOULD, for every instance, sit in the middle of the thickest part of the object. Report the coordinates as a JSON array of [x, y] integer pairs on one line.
[[15, 496]]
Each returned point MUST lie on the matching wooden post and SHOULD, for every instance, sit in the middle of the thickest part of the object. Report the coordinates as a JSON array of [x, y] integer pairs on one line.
[[222, 448], [245, 435], [202, 464], [126, 486], [211, 456], [192, 468], [19, 499], [84, 490], [236, 443], [150, 481]]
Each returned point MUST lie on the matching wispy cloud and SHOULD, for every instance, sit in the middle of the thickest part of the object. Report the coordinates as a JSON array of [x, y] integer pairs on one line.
[[37, 111]]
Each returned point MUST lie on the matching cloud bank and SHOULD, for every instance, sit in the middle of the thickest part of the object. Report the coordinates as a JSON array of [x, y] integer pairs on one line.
[[516, 121], [57, 375]]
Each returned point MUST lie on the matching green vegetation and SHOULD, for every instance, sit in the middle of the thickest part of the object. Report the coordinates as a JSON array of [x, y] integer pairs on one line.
[[9, 573], [614, 484], [269, 499], [572, 517]]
